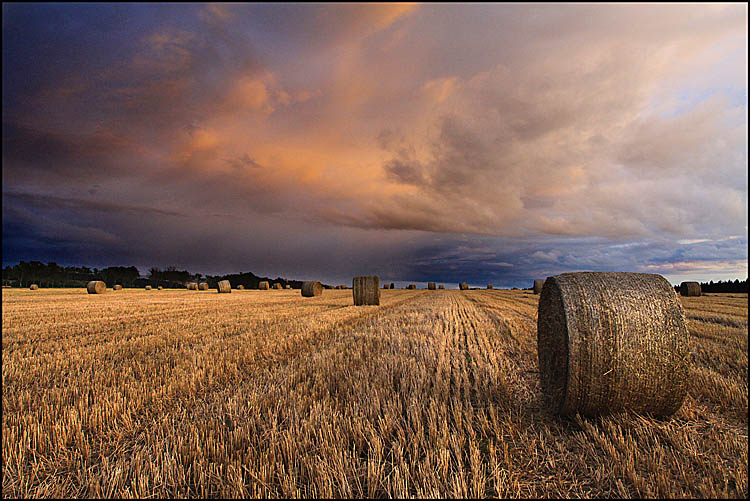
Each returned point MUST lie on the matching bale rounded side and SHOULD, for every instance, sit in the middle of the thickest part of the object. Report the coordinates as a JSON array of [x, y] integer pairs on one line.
[[96, 287], [192, 286], [431, 286], [463, 286], [240, 287], [223, 287], [441, 286], [366, 290], [117, 287], [612, 341], [263, 286], [277, 286], [690, 289], [33, 287], [148, 287], [311, 288], [203, 286], [538, 284]]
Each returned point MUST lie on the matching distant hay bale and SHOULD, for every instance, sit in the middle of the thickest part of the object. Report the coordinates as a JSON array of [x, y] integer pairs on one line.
[[441, 286], [287, 286], [611, 341], [160, 287], [515, 288], [203, 286], [117, 287], [366, 290], [690, 289], [263, 286], [431, 286], [393, 286], [311, 288], [148, 287], [223, 287], [538, 284], [33, 287], [463, 286], [192, 286], [411, 286], [490, 286], [277, 286], [385, 286], [96, 287], [240, 287]]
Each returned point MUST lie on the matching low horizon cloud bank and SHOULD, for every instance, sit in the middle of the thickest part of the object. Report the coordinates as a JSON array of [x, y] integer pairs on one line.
[[489, 143]]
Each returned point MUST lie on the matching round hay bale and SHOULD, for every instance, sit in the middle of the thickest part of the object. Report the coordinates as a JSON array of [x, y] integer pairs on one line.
[[366, 290], [463, 286], [690, 289], [203, 286], [96, 287], [287, 286], [538, 284], [431, 286], [411, 286], [611, 341], [263, 286], [33, 287], [393, 286], [192, 286], [240, 287], [160, 288], [148, 287], [117, 287], [515, 288], [223, 287], [490, 286], [441, 286], [277, 286], [311, 288]]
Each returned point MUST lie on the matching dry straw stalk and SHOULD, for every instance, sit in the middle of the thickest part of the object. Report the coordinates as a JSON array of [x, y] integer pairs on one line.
[[96, 287], [366, 290], [690, 289], [312, 288], [224, 287], [611, 341]]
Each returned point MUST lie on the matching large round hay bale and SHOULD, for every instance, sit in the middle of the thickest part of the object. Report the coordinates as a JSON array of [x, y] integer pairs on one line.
[[33, 287], [366, 290], [490, 286], [240, 287], [611, 341], [192, 286], [96, 287], [463, 286], [441, 286], [148, 287], [263, 286], [117, 287], [277, 286], [312, 288], [203, 286], [223, 287], [538, 284], [690, 289], [431, 286]]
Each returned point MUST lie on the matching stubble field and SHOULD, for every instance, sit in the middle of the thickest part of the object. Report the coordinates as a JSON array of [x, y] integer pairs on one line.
[[180, 393]]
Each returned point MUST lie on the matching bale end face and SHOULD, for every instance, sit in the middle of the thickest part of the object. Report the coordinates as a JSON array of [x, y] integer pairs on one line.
[[223, 287], [96, 287], [690, 289], [311, 289], [366, 290], [611, 341]]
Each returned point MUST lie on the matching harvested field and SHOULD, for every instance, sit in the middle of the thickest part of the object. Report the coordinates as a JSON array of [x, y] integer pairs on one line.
[[276, 395]]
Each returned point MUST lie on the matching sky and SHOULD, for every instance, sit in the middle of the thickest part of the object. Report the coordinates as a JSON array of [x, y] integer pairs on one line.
[[487, 143]]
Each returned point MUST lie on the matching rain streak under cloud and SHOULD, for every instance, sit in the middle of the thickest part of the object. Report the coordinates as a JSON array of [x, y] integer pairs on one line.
[[487, 143]]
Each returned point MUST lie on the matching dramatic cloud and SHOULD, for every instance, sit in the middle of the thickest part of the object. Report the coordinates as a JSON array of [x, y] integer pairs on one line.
[[486, 142]]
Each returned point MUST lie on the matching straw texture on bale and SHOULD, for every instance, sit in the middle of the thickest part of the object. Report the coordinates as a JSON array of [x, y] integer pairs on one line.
[[441, 286], [117, 287], [192, 286], [96, 287], [463, 286], [263, 286], [490, 286], [240, 287], [203, 286], [612, 341], [148, 287], [277, 286], [366, 290], [223, 287], [312, 288], [33, 287], [690, 289], [431, 286], [538, 284]]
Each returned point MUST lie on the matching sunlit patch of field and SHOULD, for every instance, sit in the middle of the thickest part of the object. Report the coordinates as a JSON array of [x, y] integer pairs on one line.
[[264, 393]]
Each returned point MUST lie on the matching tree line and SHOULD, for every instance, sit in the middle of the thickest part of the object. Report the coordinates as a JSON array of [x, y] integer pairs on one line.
[[722, 286], [25, 273]]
